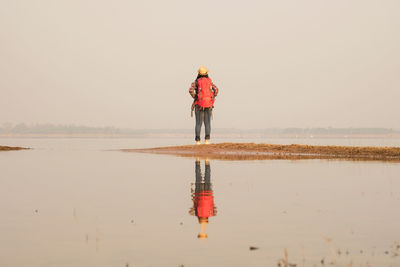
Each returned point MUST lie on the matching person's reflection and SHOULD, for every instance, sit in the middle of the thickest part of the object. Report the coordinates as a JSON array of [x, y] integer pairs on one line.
[[203, 199]]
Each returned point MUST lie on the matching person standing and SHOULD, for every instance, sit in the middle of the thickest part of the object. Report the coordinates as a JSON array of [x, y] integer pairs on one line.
[[203, 91]]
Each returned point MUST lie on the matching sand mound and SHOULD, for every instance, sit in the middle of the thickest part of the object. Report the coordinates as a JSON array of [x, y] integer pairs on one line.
[[9, 148], [252, 151]]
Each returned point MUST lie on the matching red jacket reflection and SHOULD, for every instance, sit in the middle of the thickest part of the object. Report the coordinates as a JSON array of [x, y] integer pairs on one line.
[[203, 198]]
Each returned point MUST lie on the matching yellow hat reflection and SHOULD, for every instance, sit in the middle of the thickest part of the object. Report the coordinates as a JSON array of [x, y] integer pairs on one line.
[[203, 223], [202, 236]]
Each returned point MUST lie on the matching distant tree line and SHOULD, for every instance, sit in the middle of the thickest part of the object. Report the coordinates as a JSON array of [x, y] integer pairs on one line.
[[338, 131], [22, 128], [315, 131]]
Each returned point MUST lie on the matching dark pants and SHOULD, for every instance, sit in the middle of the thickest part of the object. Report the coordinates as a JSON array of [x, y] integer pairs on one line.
[[203, 115], [202, 185]]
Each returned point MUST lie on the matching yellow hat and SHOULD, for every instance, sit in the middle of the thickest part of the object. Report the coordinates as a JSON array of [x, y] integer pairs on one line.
[[203, 70]]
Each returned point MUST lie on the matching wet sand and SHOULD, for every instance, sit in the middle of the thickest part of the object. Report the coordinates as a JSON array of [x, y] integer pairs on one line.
[[9, 148], [252, 151]]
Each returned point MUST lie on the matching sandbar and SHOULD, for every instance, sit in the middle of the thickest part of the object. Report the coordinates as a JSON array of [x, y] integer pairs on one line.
[[10, 148], [253, 151]]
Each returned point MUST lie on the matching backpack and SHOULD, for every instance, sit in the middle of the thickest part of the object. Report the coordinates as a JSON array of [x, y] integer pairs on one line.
[[205, 94]]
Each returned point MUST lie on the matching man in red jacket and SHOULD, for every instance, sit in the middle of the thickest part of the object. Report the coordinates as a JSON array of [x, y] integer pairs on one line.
[[203, 91], [203, 199]]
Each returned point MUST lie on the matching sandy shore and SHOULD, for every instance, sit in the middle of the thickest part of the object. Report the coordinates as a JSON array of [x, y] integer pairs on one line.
[[9, 148], [252, 151]]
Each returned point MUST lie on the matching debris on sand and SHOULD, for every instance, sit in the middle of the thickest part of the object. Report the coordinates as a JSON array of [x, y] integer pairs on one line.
[[252, 151], [253, 248], [284, 262]]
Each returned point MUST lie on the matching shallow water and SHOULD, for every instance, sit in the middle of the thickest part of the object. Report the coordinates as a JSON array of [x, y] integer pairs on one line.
[[73, 202]]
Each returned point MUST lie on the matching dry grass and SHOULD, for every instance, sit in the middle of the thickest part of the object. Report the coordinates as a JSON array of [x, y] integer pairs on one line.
[[252, 151], [9, 148]]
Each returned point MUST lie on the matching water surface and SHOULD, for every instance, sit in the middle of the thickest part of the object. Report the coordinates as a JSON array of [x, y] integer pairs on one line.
[[73, 202]]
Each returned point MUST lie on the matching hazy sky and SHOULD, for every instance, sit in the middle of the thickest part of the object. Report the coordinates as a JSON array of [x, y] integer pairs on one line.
[[290, 63]]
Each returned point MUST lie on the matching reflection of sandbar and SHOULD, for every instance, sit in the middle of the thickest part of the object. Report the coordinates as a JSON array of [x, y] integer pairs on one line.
[[252, 151]]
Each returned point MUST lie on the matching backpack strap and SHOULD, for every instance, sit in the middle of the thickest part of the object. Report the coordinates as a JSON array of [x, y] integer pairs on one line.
[[197, 90]]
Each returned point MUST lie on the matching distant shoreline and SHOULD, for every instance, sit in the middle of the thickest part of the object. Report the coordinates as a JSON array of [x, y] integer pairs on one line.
[[251, 151], [22, 130], [215, 135]]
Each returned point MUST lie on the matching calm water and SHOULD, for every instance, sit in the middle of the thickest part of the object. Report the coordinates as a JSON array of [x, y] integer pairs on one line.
[[74, 202]]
